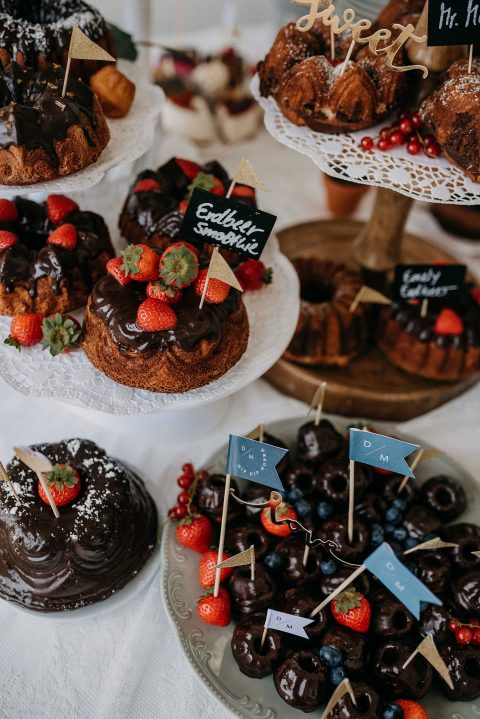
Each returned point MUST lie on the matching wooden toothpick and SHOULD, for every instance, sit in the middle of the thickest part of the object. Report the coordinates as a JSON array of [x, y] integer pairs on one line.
[[347, 58], [67, 72], [306, 554], [357, 299], [424, 308], [413, 466], [223, 527], [351, 499], [337, 591], [264, 636], [470, 58], [5, 478]]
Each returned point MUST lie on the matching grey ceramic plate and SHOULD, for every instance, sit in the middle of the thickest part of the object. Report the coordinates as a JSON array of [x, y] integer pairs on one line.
[[208, 648]]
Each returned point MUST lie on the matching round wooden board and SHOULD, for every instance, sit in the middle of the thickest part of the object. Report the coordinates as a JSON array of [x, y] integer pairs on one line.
[[370, 386]]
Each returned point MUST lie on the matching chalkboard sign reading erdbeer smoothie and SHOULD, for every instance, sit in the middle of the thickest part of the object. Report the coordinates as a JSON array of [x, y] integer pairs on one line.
[[226, 223], [428, 282], [453, 22]]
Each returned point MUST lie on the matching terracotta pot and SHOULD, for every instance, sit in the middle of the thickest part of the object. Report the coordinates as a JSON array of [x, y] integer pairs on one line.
[[343, 197]]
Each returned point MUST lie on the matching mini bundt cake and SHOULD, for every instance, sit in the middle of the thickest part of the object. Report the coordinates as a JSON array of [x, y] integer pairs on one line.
[[51, 255], [444, 345], [452, 114], [37, 34], [106, 531], [327, 332], [42, 134]]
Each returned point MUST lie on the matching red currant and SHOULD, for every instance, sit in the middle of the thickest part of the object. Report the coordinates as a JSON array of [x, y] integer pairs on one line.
[[413, 148], [185, 481], [464, 635], [476, 637], [397, 138], [181, 512], [183, 498], [433, 150], [187, 468], [384, 133], [453, 625], [203, 474], [416, 120], [383, 144], [474, 622], [366, 143], [428, 139], [406, 126]]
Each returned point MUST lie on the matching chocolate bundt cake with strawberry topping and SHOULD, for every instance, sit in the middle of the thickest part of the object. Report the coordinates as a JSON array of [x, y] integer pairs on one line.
[[51, 254], [106, 531]]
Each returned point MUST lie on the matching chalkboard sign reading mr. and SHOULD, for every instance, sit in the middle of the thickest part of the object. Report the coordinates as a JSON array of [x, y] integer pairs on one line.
[[428, 282], [226, 223], [453, 22]]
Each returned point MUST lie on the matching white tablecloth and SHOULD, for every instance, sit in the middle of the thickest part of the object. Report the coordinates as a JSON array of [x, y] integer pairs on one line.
[[127, 664]]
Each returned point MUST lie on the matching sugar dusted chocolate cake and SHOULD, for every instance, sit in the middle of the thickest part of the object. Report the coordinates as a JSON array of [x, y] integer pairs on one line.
[[106, 532]]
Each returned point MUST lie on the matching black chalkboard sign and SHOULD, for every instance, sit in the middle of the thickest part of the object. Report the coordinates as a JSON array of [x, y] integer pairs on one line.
[[453, 22], [226, 223], [428, 282]]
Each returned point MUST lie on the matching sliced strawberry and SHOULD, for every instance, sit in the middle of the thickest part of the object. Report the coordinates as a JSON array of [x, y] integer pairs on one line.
[[159, 291], [147, 185], [155, 316], [59, 207], [475, 293], [25, 330], [8, 211], [114, 268], [448, 323], [243, 191], [141, 263], [189, 168], [65, 236], [7, 239], [178, 266], [217, 291]]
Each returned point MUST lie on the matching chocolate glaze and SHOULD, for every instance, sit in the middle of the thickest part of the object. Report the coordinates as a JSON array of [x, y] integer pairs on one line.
[[97, 545], [408, 316], [463, 664], [317, 443], [434, 570], [301, 681], [467, 536], [209, 496], [251, 595], [413, 682], [369, 704], [445, 496], [238, 539], [293, 572], [466, 593], [390, 618], [246, 640], [33, 258], [420, 521], [33, 114], [353, 645], [300, 602], [117, 305], [434, 620]]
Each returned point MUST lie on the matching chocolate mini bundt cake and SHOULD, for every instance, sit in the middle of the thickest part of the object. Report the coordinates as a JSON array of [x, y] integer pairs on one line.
[[42, 134], [327, 332], [42, 269]]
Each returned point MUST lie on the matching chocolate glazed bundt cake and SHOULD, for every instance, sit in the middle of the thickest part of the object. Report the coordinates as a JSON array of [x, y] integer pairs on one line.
[[327, 332]]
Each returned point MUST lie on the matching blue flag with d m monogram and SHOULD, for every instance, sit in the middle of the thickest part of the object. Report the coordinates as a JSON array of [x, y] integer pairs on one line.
[[381, 451], [255, 461], [409, 590]]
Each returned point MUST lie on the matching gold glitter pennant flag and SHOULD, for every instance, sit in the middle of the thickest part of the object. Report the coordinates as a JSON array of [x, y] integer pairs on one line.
[[344, 688], [82, 48], [219, 269], [436, 543], [367, 294], [239, 560], [246, 174], [256, 433], [476, 554], [432, 453], [318, 397], [427, 648]]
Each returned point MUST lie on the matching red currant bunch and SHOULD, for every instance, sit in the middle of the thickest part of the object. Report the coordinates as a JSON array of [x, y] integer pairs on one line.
[[466, 633], [187, 482], [407, 130]]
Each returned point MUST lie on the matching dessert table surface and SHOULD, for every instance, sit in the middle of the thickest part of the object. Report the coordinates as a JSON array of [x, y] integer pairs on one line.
[[126, 663]]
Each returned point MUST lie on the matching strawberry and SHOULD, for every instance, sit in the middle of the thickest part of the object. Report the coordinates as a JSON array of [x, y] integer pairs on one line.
[[25, 330], [64, 484], [215, 610], [65, 235], [159, 291], [217, 291], [411, 709], [207, 569], [283, 511], [8, 211], [195, 532], [58, 207], [181, 243], [475, 293], [352, 609], [178, 266], [448, 323], [190, 169], [207, 182], [113, 267], [155, 316], [253, 274], [243, 191], [183, 206], [146, 185], [7, 239], [141, 262], [60, 334]]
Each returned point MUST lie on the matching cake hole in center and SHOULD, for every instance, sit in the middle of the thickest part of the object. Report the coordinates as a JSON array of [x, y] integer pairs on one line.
[[304, 482], [258, 648], [390, 656], [432, 561], [364, 703], [467, 550], [338, 483], [316, 293], [307, 664], [443, 497]]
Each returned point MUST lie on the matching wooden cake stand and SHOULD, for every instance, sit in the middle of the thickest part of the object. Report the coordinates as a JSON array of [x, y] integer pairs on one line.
[[370, 386]]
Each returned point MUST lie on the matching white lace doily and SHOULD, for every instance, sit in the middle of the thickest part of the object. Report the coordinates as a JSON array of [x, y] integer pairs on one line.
[[131, 137], [430, 180], [272, 313]]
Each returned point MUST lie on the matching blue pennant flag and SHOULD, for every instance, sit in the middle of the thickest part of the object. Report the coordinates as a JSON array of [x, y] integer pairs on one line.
[[381, 451], [409, 590], [255, 461]]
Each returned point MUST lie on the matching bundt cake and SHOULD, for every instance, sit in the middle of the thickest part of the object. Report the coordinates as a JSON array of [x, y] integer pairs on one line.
[[452, 114], [42, 134], [38, 33], [444, 345], [327, 332], [51, 254], [106, 531], [311, 89]]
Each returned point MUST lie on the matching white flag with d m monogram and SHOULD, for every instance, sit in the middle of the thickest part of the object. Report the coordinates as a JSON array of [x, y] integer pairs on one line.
[[289, 623]]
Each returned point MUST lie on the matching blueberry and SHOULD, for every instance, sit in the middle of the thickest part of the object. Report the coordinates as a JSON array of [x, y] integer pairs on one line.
[[429, 537], [393, 711], [423, 606], [303, 508], [273, 560], [376, 535], [400, 534], [399, 504], [410, 543], [393, 515], [294, 495], [328, 567], [324, 510], [330, 655], [337, 675], [389, 528]]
